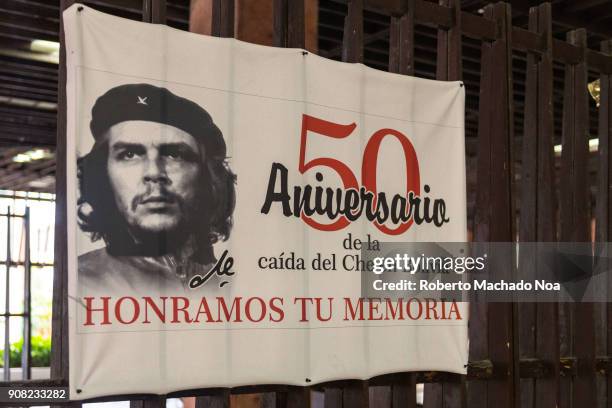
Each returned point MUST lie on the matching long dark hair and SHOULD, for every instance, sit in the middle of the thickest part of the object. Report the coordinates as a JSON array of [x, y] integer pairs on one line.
[[99, 216]]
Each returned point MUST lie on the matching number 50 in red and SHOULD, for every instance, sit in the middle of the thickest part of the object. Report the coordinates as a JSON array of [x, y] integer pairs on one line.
[[368, 167]]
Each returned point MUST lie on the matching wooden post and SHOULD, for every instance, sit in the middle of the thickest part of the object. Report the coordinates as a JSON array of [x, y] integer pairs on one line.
[[403, 392], [154, 11], [280, 23], [538, 324], [603, 311], [401, 41], [575, 205], [604, 211], [223, 18], [448, 68], [215, 401], [547, 337], [59, 321], [491, 325], [448, 64], [289, 24], [356, 395], [352, 40]]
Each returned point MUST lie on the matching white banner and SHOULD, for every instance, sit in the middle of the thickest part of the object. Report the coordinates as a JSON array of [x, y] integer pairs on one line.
[[219, 194]]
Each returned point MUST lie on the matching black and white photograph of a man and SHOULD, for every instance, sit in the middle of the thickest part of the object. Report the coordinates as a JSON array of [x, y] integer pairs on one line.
[[156, 188]]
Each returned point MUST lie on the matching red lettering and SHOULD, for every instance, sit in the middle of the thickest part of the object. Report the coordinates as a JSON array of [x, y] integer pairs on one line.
[[431, 304], [228, 313], [374, 304], [303, 302], [409, 309], [205, 310], [278, 309], [368, 171], [349, 309], [158, 311], [329, 313], [454, 308], [262, 307], [89, 309], [119, 310], [176, 309], [397, 313]]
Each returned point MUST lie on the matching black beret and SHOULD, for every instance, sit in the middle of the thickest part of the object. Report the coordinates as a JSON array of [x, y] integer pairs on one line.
[[154, 104]]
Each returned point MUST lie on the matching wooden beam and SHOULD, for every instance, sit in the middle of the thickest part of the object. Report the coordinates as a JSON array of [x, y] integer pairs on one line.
[[223, 18], [583, 5], [537, 323], [604, 206], [401, 41], [352, 40], [25, 34], [491, 323], [59, 321], [575, 220], [39, 10]]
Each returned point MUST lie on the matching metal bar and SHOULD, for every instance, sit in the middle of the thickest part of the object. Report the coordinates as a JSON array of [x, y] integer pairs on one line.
[[26, 350], [29, 198], [7, 303], [352, 40], [19, 263]]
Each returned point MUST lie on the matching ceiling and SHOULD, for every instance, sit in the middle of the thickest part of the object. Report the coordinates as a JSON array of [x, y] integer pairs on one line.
[[28, 87]]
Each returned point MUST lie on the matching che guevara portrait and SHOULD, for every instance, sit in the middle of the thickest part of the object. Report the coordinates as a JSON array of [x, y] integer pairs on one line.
[[156, 189]]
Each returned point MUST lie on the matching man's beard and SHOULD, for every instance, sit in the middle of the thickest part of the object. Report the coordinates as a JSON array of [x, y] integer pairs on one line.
[[169, 241]]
